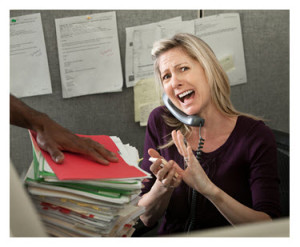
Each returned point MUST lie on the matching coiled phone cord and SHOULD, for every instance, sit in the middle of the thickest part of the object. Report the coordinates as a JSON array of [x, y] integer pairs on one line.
[[195, 195]]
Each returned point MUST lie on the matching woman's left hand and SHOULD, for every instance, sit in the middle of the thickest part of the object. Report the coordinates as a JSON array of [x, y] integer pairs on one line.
[[194, 174]]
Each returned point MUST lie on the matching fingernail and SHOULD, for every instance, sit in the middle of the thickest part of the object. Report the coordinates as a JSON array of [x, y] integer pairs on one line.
[[115, 158], [104, 162], [58, 160]]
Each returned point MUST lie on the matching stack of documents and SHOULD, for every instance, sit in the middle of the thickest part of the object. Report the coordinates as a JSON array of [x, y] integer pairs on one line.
[[83, 198]]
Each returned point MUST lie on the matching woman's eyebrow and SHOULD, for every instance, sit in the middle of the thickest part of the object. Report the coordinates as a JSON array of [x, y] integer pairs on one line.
[[174, 66]]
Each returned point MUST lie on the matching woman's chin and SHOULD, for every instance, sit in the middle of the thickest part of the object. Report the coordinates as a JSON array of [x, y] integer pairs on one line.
[[190, 112]]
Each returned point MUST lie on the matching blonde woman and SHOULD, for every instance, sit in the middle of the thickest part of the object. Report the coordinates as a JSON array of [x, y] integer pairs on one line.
[[236, 178]]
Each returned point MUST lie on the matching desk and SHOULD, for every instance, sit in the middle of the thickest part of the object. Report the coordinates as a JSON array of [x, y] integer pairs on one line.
[[276, 228]]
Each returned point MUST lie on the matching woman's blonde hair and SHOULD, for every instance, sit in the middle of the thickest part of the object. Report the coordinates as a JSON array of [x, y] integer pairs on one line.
[[216, 77]]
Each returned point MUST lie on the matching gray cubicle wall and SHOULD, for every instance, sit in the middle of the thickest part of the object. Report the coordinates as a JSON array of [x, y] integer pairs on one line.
[[266, 46]]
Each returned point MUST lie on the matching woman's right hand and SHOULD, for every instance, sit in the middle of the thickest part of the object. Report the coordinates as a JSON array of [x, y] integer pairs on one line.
[[157, 199], [168, 174]]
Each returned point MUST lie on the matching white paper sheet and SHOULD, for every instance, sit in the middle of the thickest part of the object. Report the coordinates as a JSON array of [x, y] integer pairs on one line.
[[223, 34], [29, 70], [89, 54], [142, 45], [144, 39], [147, 96], [169, 29], [139, 41]]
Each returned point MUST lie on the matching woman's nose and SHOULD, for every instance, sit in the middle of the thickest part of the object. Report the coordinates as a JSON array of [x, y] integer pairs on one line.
[[176, 81]]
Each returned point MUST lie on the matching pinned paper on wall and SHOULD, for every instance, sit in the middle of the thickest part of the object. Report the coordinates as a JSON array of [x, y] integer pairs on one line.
[[224, 35], [147, 96], [89, 54], [139, 41], [221, 32], [29, 70]]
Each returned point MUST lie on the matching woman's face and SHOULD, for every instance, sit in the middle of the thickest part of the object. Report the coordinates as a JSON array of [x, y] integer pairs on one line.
[[184, 81]]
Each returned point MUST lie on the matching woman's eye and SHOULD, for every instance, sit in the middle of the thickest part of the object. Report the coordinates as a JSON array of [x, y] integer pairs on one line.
[[167, 76], [184, 68]]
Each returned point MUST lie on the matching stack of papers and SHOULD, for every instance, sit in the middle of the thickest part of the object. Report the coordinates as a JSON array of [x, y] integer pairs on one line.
[[83, 198]]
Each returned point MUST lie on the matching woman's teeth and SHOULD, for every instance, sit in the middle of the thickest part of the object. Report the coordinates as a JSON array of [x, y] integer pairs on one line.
[[182, 95]]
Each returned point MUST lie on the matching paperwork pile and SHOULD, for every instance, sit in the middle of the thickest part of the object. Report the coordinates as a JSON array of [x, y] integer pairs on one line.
[[87, 201]]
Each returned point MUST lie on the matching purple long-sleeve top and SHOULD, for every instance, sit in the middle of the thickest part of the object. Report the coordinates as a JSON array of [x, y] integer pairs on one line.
[[245, 167]]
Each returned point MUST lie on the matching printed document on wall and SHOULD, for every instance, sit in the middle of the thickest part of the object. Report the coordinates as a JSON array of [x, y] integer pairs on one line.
[[89, 54], [143, 41], [139, 41], [29, 70], [223, 34]]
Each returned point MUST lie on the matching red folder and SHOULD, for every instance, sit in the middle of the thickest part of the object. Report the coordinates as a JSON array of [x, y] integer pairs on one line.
[[79, 167]]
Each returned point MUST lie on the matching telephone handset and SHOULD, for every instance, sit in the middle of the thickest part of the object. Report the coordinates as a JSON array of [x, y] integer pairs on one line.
[[196, 121], [191, 120]]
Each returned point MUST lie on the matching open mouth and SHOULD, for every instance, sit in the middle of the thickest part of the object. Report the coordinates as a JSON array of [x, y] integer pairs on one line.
[[185, 95]]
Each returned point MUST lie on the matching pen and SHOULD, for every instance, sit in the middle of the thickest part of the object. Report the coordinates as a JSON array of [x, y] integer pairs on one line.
[[164, 162]]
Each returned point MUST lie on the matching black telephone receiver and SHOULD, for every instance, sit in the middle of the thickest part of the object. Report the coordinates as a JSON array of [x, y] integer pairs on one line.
[[191, 120]]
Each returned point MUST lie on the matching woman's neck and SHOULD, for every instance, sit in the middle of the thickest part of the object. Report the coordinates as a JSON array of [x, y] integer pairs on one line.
[[216, 130]]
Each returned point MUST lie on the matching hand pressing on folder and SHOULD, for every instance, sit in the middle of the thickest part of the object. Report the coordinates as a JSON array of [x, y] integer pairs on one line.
[[54, 138]]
